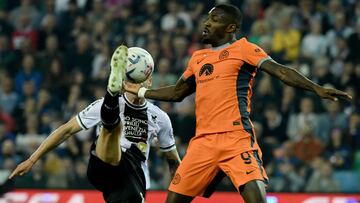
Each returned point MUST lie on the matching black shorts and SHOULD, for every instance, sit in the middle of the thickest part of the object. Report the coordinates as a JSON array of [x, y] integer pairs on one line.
[[124, 183]]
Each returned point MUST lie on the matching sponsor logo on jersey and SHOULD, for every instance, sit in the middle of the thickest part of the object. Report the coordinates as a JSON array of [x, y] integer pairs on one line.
[[223, 55], [206, 69]]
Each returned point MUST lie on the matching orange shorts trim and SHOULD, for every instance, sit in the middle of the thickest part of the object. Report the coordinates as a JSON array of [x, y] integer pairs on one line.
[[209, 155]]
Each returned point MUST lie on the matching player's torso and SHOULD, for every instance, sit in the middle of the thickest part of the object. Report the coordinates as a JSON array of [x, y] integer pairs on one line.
[[220, 81], [139, 125]]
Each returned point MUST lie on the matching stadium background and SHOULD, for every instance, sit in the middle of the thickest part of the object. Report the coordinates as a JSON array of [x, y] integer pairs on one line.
[[54, 60]]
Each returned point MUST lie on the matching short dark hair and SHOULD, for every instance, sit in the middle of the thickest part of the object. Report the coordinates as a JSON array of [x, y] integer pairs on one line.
[[233, 12]]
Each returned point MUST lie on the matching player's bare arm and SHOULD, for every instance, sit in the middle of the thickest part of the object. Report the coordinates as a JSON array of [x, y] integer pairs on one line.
[[292, 77], [54, 139], [173, 160], [173, 93]]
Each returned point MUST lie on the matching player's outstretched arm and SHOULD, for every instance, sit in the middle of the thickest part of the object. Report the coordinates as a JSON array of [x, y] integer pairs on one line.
[[173, 160], [173, 93], [293, 78], [54, 139]]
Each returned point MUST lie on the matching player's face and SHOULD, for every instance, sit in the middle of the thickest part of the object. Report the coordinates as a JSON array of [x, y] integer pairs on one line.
[[215, 27]]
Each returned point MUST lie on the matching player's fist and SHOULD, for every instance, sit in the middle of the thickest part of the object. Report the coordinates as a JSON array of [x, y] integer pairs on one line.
[[22, 168]]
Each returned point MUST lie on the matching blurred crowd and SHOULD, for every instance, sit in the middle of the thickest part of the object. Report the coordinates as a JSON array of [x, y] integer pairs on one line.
[[54, 61]]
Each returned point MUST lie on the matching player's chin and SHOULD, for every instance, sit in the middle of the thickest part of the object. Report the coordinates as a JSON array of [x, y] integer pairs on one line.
[[205, 40]]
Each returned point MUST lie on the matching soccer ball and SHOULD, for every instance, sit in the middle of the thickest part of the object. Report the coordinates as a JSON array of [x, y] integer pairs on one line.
[[140, 65]]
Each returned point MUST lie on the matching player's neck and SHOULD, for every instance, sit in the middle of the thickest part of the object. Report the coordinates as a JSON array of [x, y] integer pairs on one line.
[[134, 99], [226, 40]]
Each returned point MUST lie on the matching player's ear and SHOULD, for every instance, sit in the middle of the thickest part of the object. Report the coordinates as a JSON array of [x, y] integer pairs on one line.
[[231, 28]]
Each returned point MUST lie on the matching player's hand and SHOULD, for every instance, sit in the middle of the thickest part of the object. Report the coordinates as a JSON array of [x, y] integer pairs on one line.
[[131, 87], [22, 168], [332, 94]]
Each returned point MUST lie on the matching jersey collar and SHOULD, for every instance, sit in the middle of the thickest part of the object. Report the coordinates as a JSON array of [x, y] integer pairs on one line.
[[223, 46], [135, 106]]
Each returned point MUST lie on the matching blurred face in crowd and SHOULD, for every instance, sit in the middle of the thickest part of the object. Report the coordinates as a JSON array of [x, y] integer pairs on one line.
[[217, 26], [51, 43], [164, 65], [6, 85], [28, 88], [8, 148], [333, 107], [306, 105], [172, 6], [82, 43], [271, 113], [49, 22], [316, 27], [28, 63], [180, 44]]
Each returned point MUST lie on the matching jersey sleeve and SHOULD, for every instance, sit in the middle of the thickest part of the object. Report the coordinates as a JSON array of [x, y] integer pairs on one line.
[[253, 54], [90, 116], [165, 135], [189, 70]]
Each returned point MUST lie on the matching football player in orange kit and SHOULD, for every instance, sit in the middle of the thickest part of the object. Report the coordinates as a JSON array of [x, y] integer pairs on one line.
[[222, 77]]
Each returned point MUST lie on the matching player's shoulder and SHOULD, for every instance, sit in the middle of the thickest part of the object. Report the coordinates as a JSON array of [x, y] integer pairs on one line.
[[243, 46], [243, 42]]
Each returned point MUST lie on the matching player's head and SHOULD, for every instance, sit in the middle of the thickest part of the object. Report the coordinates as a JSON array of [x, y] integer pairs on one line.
[[223, 21]]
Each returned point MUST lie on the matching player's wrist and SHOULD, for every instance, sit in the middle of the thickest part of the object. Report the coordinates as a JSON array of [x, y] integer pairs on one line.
[[141, 92], [32, 160]]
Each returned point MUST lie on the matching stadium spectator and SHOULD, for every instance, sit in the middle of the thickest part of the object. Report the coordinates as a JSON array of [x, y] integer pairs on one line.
[[308, 147], [286, 40], [163, 76], [321, 73], [297, 122], [321, 180], [333, 117], [28, 74], [175, 16], [8, 97], [48, 28], [26, 8], [338, 152], [314, 44], [8, 151], [80, 55]]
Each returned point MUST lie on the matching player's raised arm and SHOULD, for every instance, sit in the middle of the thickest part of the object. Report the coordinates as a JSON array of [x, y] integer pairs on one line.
[[293, 78], [173, 93], [54, 139]]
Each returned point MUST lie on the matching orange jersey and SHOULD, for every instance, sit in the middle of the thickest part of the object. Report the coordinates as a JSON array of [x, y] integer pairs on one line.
[[224, 79]]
